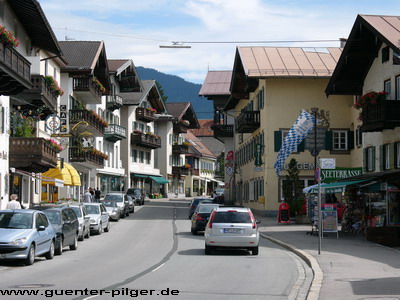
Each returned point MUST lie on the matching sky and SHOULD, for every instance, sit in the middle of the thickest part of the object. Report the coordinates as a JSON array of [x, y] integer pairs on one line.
[[133, 29]]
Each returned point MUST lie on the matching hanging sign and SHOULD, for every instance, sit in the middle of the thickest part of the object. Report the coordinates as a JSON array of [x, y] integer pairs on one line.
[[258, 152]]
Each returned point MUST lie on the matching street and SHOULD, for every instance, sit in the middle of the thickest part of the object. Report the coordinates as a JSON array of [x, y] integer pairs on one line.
[[154, 252]]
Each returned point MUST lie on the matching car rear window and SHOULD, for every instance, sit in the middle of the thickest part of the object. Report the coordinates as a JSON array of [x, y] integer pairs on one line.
[[207, 208], [53, 216], [232, 217], [117, 198], [93, 209]]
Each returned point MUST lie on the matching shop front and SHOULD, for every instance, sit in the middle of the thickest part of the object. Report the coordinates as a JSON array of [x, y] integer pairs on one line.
[[111, 183], [153, 185]]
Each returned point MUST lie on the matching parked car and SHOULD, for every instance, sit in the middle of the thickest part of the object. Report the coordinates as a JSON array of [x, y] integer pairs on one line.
[[137, 194], [122, 201], [232, 227], [99, 218], [131, 204], [113, 210], [218, 192], [219, 199], [84, 220], [193, 204], [201, 216], [25, 234], [65, 223]]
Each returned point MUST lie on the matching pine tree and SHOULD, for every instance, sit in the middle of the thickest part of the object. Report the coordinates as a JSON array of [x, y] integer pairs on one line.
[[292, 189], [164, 97]]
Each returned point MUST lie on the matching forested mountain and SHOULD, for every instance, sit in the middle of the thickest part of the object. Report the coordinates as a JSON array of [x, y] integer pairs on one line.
[[179, 90]]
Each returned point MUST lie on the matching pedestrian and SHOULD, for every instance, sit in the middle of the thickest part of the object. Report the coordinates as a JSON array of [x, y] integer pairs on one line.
[[13, 203], [87, 197], [97, 195]]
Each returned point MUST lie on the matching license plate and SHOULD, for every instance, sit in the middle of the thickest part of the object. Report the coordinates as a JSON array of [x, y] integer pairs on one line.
[[2, 256], [233, 230]]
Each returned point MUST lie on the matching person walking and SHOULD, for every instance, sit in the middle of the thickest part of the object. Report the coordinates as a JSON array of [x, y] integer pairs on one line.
[[13, 203], [97, 195], [87, 197]]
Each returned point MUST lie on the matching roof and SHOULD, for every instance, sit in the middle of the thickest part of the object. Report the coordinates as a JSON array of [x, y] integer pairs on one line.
[[197, 144], [183, 111], [214, 144], [150, 92], [115, 64], [216, 83], [205, 128], [81, 55], [366, 37], [35, 23]]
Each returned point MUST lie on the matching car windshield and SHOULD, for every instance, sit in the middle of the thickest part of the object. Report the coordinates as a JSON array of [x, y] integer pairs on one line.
[[16, 220], [77, 211], [92, 209], [53, 216], [206, 208], [109, 203], [134, 192], [232, 217], [113, 197]]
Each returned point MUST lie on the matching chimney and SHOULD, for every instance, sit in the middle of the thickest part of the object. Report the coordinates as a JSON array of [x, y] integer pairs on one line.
[[342, 42]]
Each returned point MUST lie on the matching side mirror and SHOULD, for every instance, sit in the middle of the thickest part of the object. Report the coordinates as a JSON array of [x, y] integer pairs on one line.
[[87, 217], [41, 228], [104, 213]]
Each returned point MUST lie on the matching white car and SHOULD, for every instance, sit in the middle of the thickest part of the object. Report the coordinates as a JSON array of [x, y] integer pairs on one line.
[[99, 218], [232, 227], [84, 220]]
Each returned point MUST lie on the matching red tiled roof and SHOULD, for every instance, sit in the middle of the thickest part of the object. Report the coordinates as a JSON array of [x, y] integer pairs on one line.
[[198, 145], [205, 128]]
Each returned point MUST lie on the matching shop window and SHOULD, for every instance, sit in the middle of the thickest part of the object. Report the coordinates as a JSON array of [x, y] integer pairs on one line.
[[387, 87]]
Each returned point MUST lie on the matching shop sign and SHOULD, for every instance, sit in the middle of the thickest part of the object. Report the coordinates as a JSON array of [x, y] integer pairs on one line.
[[258, 150], [329, 218], [328, 175]]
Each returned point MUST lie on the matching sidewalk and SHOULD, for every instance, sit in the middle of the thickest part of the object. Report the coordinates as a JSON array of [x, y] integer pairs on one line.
[[347, 268]]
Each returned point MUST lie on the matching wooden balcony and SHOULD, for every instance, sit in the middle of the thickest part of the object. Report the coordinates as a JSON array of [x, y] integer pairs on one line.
[[179, 171], [32, 154], [248, 121], [86, 157], [180, 128], [195, 172], [40, 95], [180, 149], [114, 102], [95, 125], [144, 114], [221, 130], [380, 116], [114, 133], [145, 140], [87, 90], [15, 71]]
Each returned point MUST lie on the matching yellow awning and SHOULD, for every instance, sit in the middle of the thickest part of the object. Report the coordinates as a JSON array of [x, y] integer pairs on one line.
[[68, 174]]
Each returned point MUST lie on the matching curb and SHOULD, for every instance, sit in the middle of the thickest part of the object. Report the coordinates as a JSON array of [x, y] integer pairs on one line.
[[315, 288]]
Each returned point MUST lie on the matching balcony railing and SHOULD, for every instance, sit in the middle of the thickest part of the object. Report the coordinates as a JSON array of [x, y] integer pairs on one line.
[[114, 133], [248, 121], [180, 128], [144, 114], [180, 149], [15, 71], [95, 124], [114, 102], [87, 90], [221, 130], [178, 171], [32, 154], [145, 140], [380, 116], [41, 94], [86, 157]]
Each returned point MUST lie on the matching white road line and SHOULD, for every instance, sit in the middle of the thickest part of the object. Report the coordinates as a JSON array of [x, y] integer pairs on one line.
[[90, 297], [158, 267]]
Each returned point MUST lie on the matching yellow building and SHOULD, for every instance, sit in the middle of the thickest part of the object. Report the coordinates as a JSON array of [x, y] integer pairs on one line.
[[269, 88]]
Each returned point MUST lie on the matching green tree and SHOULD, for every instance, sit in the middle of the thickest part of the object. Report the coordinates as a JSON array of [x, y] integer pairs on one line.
[[292, 189], [161, 91]]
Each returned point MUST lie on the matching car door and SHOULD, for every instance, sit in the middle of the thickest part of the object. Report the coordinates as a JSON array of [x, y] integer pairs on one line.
[[74, 222], [104, 215], [42, 237], [66, 228]]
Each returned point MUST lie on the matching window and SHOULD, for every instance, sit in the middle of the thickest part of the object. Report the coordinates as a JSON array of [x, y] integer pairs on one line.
[[396, 58], [398, 87], [387, 87], [385, 157], [339, 140], [134, 155], [148, 157], [141, 156], [369, 159], [358, 136], [397, 154], [385, 54]]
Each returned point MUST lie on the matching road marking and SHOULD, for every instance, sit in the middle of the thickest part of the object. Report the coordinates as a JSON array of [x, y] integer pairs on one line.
[[90, 297], [158, 267]]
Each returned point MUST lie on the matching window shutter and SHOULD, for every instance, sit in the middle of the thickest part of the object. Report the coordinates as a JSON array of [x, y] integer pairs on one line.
[[328, 140], [350, 140], [373, 158], [382, 157], [277, 140], [365, 160], [2, 121], [392, 155], [395, 155]]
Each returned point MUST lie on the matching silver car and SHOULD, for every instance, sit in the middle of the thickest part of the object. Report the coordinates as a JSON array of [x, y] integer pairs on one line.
[[25, 234], [99, 219], [84, 220], [113, 210], [232, 227]]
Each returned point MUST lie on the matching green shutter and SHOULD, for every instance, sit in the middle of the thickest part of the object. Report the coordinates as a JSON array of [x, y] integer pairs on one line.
[[328, 140], [382, 157], [395, 155], [277, 140], [350, 140], [365, 160], [391, 153], [373, 158]]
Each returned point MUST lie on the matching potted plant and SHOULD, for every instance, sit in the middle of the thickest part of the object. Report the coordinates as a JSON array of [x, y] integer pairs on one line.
[[99, 85], [368, 99], [7, 37], [53, 84], [184, 122], [57, 147]]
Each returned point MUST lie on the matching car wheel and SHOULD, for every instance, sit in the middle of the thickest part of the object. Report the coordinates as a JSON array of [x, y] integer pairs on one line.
[[87, 234], [100, 229], [74, 246], [50, 254], [30, 259], [194, 231], [207, 250], [107, 229], [82, 237], [123, 216], [127, 213], [254, 251], [59, 249]]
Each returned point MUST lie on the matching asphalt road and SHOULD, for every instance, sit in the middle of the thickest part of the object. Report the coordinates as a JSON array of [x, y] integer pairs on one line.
[[153, 252]]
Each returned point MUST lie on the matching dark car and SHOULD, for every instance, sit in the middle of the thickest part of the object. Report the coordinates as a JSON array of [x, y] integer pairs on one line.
[[201, 216], [137, 195], [66, 226], [195, 202]]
